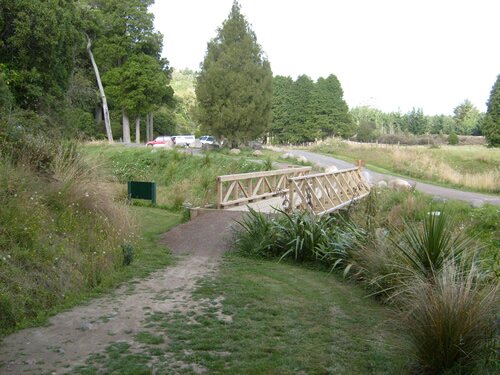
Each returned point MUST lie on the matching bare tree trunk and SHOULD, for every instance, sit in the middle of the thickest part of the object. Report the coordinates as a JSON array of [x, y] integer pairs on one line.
[[107, 122], [151, 120], [138, 129], [126, 127], [148, 137]]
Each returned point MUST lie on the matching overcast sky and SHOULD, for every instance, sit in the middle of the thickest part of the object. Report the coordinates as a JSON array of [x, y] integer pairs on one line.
[[390, 54]]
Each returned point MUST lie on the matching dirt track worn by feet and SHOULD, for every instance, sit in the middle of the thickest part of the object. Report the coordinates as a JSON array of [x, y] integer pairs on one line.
[[74, 335]]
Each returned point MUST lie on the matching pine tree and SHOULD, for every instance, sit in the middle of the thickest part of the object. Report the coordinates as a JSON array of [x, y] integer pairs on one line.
[[330, 111], [491, 124], [235, 83]]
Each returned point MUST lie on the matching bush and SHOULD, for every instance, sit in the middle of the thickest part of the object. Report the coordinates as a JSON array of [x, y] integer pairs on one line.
[[299, 235], [453, 139]]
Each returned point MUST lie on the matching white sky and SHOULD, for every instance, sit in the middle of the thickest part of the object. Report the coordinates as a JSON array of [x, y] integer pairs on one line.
[[390, 54]]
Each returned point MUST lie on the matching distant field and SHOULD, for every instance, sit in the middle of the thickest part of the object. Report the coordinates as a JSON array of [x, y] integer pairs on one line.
[[474, 168]]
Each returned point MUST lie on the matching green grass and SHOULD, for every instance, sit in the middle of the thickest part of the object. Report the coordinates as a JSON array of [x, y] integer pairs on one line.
[[284, 319], [474, 168]]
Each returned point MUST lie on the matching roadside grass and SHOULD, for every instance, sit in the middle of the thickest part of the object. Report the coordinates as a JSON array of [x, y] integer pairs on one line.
[[474, 168], [262, 317]]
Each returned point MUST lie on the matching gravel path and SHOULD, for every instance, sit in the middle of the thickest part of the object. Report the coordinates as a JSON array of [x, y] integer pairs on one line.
[[325, 161], [73, 336]]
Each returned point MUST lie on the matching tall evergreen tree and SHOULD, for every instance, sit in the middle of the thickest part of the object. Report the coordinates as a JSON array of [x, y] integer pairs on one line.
[[491, 123], [330, 111], [466, 117], [235, 83], [302, 127], [281, 106]]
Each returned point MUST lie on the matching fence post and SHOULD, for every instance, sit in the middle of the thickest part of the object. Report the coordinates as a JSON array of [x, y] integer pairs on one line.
[[219, 193], [290, 196]]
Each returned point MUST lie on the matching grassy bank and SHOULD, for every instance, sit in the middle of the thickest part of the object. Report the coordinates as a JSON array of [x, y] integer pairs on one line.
[[474, 168], [64, 234], [261, 317], [180, 176]]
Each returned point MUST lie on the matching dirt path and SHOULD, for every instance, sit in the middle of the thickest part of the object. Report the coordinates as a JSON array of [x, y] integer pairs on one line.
[[73, 336]]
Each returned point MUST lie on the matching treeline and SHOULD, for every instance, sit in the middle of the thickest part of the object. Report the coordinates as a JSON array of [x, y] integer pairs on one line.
[[304, 110], [48, 81], [371, 123]]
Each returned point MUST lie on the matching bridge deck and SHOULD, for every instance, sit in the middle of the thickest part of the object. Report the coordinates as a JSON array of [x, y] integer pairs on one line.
[[266, 206]]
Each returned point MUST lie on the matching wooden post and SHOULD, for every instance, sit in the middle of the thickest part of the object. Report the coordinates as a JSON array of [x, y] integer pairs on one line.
[[291, 204], [360, 164], [219, 193]]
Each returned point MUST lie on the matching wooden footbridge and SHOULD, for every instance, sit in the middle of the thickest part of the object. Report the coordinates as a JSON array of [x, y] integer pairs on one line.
[[292, 189]]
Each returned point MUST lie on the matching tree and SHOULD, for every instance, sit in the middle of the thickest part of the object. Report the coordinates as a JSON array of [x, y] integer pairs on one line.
[[301, 127], [466, 117], [280, 103], [329, 110], [38, 44], [137, 86], [491, 123], [123, 30], [235, 83], [416, 122]]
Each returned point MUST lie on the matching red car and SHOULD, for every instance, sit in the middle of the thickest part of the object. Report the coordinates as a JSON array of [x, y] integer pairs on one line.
[[161, 141]]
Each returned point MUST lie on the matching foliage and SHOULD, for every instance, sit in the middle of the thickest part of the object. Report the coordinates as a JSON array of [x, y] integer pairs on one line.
[[426, 250], [38, 42], [301, 236], [139, 84], [60, 228], [491, 124], [453, 139], [234, 85], [467, 118], [304, 111], [451, 321]]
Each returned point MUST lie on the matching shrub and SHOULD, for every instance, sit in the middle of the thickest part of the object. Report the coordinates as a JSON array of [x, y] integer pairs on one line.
[[453, 139], [425, 250], [450, 321], [256, 235]]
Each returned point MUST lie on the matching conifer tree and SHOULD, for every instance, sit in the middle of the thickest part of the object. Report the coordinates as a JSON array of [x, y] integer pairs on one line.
[[491, 124], [234, 86]]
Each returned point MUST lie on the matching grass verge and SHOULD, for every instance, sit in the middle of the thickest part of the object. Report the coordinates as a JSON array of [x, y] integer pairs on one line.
[[261, 317], [473, 168]]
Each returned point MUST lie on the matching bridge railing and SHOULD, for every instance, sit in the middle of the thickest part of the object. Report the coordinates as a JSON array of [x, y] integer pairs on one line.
[[326, 192], [243, 188]]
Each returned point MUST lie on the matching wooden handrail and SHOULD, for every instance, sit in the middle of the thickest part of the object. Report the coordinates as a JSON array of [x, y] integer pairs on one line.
[[242, 188]]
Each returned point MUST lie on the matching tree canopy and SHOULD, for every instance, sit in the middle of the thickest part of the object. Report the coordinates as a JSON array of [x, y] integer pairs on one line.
[[234, 85], [491, 124], [304, 110]]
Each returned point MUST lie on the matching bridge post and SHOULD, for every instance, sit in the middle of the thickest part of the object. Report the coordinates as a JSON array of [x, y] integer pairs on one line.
[[360, 164], [219, 193]]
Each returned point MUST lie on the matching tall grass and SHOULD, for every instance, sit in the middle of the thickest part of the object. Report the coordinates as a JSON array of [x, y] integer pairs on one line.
[[60, 231], [471, 167], [451, 321]]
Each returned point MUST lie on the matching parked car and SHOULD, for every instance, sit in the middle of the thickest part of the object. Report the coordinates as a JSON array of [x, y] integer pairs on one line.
[[161, 141], [183, 140], [207, 140]]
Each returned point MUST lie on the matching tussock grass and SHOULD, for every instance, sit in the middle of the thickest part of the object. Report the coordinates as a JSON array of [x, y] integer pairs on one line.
[[471, 167], [451, 319]]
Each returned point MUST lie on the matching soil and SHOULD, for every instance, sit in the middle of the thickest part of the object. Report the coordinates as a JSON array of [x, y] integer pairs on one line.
[[73, 335]]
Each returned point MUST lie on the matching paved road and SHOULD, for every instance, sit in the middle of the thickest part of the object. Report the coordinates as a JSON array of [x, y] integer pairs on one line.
[[374, 177]]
